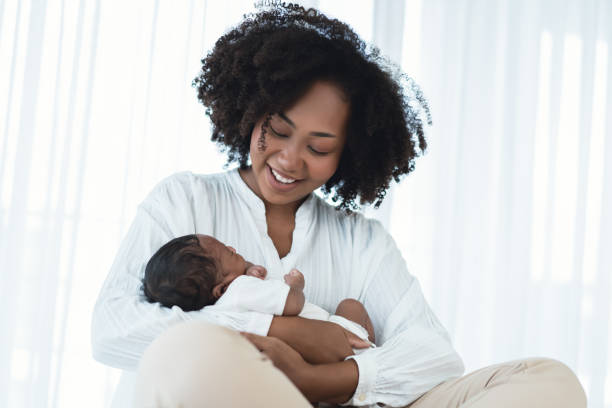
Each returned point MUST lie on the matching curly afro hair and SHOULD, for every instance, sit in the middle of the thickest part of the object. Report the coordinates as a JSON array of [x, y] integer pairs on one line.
[[274, 56]]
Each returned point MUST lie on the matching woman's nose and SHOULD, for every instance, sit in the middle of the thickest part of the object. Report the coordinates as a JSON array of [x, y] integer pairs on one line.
[[290, 159]]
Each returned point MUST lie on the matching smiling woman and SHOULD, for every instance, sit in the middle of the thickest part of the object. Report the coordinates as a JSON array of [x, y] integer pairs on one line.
[[304, 147], [300, 102], [257, 73]]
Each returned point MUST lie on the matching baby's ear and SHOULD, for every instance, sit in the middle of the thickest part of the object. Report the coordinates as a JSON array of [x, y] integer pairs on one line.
[[218, 290]]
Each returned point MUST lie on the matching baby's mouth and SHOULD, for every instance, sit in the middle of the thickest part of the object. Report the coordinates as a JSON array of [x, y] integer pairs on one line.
[[247, 265]]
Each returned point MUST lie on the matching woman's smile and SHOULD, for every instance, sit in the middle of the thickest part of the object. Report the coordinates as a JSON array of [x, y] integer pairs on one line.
[[279, 182]]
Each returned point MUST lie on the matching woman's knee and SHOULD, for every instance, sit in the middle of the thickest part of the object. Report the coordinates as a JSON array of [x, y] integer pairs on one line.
[[191, 362], [567, 386], [192, 341]]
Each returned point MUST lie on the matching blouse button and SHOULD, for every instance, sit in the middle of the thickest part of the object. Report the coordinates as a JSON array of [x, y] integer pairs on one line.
[[362, 397]]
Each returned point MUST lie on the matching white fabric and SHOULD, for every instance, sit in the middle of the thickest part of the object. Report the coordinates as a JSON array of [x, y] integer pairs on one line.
[[247, 293], [312, 311], [340, 256]]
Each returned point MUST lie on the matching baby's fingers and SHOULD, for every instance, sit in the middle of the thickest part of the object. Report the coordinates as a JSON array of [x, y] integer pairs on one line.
[[256, 271], [296, 273]]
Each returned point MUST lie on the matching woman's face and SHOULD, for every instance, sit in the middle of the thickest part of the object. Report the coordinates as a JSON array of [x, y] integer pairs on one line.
[[303, 146]]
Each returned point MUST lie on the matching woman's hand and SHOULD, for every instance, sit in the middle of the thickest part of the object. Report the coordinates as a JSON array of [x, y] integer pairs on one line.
[[354, 340], [333, 383], [285, 358], [317, 341]]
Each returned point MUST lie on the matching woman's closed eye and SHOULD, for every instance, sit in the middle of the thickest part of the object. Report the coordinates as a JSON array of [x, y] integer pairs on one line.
[[317, 152], [278, 134], [285, 136]]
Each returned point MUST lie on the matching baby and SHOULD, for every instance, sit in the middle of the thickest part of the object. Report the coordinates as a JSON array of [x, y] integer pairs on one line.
[[197, 270]]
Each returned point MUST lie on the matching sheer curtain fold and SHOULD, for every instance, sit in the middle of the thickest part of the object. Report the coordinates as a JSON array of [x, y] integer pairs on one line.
[[506, 221], [515, 94]]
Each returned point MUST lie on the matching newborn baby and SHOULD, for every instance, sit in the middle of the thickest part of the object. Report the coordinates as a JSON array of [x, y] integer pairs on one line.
[[194, 271]]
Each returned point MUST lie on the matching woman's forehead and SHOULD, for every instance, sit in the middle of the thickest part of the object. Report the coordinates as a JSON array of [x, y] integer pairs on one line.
[[323, 108]]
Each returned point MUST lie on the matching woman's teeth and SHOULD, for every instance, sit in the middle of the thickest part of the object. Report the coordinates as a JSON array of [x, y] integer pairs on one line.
[[280, 178]]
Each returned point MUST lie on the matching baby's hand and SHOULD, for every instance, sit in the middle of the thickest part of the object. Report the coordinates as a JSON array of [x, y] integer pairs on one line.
[[295, 279], [256, 271]]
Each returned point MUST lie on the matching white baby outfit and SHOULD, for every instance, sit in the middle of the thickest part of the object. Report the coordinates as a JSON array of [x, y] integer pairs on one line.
[[247, 293]]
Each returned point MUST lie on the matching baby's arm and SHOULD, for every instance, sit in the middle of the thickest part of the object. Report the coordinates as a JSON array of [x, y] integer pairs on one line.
[[295, 298], [252, 293], [295, 281]]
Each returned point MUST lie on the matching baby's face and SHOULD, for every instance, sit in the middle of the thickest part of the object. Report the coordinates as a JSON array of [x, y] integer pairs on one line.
[[230, 264]]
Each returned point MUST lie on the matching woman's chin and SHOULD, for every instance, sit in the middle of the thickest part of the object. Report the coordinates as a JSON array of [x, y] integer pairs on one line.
[[273, 192], [280, 200]]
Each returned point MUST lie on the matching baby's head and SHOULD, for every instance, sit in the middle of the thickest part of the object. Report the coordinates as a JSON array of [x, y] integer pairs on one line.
[[193, 271]]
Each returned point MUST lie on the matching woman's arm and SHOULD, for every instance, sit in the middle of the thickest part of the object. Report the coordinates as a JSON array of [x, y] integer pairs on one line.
[[123, 322], [414, 352], [333, 382], [318, 341]]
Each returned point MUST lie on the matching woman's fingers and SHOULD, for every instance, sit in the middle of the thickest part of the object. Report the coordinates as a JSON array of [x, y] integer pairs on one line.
[[258, 341], [355, 341], [267, 345], [282, 356]]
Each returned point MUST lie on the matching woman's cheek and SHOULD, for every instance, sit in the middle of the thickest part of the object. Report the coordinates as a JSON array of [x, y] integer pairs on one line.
[[326, 170]]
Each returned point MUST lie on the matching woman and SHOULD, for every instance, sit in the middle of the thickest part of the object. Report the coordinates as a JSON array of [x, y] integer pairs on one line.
[[300, 97]]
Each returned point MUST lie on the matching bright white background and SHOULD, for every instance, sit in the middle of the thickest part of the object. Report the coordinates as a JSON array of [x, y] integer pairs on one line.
[[507, 220]]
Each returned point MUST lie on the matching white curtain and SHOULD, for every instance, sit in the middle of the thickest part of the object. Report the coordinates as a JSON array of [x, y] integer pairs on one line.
[[506, 221]]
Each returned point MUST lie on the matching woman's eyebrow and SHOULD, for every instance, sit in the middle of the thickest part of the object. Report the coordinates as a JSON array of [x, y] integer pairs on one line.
[[286, 119], [322, 134]]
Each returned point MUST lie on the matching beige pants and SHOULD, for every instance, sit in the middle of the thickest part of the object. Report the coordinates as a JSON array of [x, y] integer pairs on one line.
[[196, 364]]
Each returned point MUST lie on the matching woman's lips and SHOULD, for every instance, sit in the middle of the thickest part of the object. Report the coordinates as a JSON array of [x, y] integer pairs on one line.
[[277, 185]]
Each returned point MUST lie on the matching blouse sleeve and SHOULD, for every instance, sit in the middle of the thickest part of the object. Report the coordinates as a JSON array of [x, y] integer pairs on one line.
[[415, 352], [124, 323]]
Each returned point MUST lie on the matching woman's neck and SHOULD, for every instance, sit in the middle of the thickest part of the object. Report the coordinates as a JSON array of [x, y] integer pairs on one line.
[[280, 218]]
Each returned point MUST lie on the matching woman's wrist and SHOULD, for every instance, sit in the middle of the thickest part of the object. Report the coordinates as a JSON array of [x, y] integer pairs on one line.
[[332, 383]]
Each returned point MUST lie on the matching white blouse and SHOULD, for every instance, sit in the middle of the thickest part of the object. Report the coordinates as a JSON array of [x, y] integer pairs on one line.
[[341, 256]]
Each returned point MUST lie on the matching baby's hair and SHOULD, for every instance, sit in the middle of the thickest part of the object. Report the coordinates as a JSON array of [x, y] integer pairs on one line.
[[181, 273]]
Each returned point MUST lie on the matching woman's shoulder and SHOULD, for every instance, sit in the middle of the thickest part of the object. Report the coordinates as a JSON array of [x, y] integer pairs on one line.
[[185, 185]]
